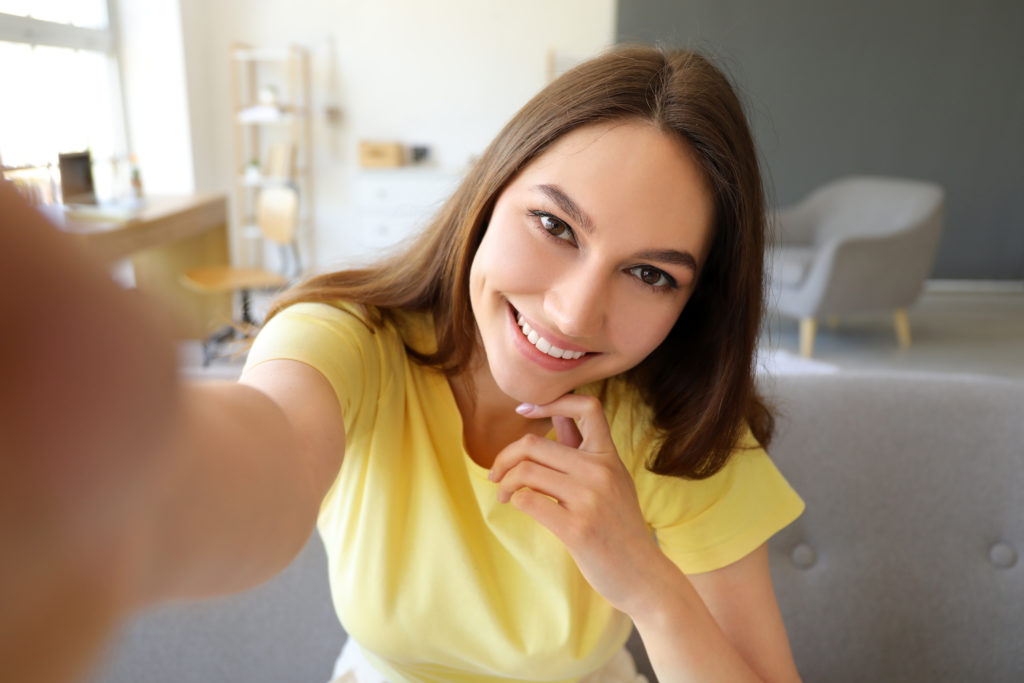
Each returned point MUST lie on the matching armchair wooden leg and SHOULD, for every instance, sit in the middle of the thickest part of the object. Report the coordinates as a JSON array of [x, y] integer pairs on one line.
[[808, 328], [902, 323]]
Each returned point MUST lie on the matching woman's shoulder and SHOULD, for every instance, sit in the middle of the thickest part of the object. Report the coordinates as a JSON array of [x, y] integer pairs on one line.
[[390, 331], [326, 331], [330, 311], [408, 324], [631, 421]]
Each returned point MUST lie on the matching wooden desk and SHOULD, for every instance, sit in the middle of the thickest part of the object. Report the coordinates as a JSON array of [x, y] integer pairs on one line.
[[164, 237]]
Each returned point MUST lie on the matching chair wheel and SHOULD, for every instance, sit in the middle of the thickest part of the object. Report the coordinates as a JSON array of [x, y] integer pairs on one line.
[[212, 344]]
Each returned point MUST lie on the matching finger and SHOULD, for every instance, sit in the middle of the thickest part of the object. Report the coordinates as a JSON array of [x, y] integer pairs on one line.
[[566, 431], [543, 451], [587, 413], [532, 475], [543, 510]]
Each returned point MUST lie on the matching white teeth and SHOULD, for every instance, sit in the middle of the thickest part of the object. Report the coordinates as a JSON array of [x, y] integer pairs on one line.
[[543, 344]]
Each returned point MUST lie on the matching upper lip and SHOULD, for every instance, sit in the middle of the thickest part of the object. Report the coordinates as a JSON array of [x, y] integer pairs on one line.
[[545, 332]]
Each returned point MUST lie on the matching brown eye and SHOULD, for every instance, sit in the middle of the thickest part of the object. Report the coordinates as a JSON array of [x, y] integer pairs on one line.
[[652, 277], [554, 226]]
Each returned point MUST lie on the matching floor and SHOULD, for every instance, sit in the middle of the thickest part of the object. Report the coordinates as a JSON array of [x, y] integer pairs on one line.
[[973, 328], [977, 330]]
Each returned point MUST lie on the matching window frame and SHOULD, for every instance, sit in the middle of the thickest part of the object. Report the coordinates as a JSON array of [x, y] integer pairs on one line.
[[16, 29]]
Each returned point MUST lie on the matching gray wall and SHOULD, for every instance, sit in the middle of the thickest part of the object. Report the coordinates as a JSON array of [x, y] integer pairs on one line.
[[930, 89]]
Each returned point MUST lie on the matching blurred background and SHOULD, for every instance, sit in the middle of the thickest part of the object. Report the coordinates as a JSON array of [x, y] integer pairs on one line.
[[384, 103]]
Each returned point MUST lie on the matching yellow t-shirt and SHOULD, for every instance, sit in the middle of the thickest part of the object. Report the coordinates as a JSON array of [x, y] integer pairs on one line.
[[434, 578]]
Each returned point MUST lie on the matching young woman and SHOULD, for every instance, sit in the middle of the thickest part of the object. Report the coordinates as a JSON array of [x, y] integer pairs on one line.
[[533, 429]]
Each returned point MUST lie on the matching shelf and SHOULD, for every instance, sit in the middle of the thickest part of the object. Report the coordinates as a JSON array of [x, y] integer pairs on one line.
[[271, 118], [270, 181], [269, 114], [263, 54]]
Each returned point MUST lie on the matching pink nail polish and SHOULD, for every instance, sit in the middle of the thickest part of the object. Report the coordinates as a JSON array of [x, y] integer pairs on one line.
[[524, 408]]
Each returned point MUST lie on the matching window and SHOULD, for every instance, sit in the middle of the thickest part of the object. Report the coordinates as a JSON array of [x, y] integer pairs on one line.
[[61, 93], [83, 13]]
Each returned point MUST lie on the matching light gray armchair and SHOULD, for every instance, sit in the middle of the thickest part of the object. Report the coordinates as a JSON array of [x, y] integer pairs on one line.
[[856, 244]]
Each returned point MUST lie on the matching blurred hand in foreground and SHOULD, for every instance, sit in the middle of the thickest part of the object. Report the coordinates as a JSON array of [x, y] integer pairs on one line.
[[87, 402]]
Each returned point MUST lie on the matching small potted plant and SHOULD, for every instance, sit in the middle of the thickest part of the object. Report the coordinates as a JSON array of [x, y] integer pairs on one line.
[[252, 172]]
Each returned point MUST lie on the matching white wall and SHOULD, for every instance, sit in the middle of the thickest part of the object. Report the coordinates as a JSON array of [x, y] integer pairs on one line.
[[445, 73]]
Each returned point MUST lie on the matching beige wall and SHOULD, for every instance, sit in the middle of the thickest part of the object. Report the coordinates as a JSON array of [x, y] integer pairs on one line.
[[445, 73]]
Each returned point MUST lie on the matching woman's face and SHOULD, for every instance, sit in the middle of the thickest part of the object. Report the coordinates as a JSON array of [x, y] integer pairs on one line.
[[589, 257]]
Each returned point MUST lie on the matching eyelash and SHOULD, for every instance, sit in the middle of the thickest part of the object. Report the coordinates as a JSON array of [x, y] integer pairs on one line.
[[670, 283]]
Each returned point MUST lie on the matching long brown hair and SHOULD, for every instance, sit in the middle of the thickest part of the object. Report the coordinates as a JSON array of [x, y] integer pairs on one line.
[[699, 383]]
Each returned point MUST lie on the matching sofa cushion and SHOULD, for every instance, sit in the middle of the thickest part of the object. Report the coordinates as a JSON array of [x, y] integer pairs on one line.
[[906, 563]]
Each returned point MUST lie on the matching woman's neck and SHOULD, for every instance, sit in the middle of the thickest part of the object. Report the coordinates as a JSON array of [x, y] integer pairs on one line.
[[489, 419]]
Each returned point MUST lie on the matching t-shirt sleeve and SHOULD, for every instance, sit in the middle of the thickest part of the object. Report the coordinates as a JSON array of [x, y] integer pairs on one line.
[[335, 341], [706, 524]]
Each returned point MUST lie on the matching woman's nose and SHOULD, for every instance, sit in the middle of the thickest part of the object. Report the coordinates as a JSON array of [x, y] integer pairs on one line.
[[577, 303]]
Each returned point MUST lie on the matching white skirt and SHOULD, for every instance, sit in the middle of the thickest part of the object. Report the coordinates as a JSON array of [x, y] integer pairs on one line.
[[352, 667]]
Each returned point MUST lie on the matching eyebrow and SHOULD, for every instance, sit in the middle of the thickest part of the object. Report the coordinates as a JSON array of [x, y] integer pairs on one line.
[[566, 204], [678, 258]]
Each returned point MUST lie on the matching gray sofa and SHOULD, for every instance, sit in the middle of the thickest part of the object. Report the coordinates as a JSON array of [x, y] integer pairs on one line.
[[906, 565]]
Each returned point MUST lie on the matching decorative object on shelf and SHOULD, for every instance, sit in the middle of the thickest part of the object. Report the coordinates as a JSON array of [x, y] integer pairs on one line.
[[253, 174], [419, 154], [136, 178], [381, 154], [268, 95]]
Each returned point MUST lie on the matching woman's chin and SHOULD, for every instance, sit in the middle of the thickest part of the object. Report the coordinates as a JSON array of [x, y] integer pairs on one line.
[[521, 393]]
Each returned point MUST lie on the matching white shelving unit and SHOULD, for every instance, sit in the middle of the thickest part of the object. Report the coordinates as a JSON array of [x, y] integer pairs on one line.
[[270, 90]]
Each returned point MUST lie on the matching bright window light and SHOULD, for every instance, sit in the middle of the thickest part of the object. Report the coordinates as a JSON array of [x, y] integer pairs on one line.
[[58, 100], [60, 90], [85, 13]]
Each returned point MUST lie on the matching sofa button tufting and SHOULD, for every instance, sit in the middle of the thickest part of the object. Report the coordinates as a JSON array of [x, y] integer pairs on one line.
[[1002, 555], [804, 556]]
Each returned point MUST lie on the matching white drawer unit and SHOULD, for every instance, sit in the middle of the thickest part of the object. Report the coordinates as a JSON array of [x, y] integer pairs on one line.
[[391, 205]]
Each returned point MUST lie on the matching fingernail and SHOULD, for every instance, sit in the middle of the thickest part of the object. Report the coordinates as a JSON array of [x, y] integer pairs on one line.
[[524, 408], [490, 474]]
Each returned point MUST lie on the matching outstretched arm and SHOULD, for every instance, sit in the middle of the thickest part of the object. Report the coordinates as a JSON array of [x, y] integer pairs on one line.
[[119, 485]]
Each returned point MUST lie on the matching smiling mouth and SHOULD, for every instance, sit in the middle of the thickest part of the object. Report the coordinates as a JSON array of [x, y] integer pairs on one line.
[[542, 344]]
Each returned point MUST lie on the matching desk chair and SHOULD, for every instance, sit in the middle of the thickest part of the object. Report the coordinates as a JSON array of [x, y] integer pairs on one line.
[[276, 219]]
